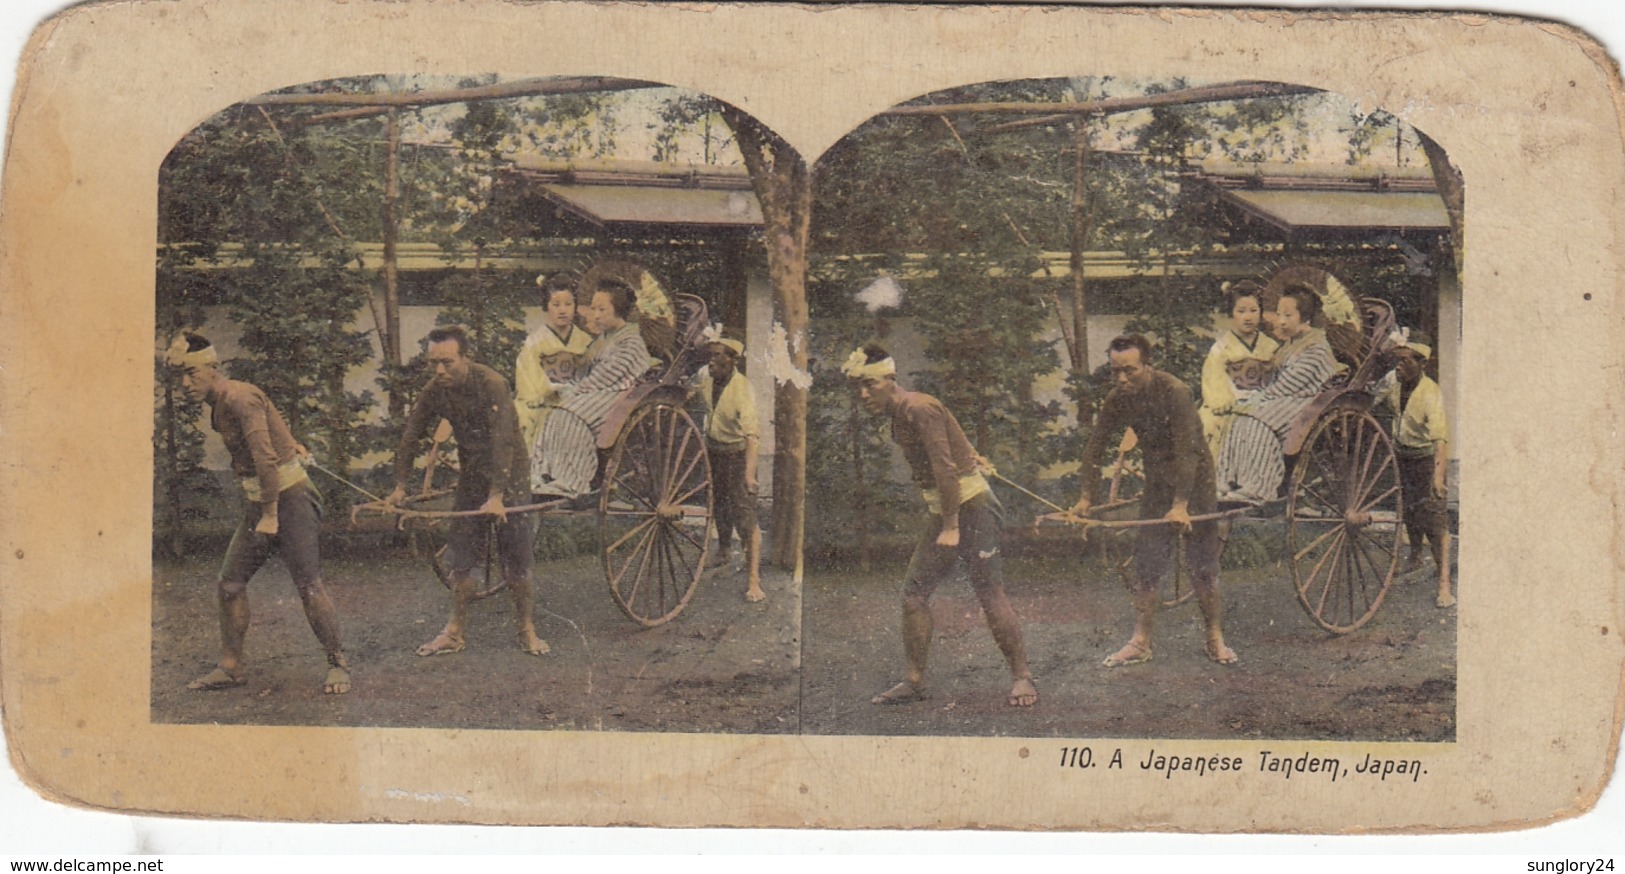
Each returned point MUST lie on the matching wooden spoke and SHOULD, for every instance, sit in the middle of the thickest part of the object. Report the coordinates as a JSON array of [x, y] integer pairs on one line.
[[1350, 479], [629, 534], [1331, 574], [1316, 542], [659, 467]]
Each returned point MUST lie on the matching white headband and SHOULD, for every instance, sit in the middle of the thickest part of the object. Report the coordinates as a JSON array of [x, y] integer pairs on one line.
[[1401, 338], [178, 356], [857, 366], [713, 334]]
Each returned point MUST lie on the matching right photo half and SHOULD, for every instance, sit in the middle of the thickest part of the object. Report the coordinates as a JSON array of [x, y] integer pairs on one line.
[[1132, 416]]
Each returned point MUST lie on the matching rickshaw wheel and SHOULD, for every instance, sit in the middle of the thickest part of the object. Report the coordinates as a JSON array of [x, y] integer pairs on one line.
[[655, 513], [1345, 514]]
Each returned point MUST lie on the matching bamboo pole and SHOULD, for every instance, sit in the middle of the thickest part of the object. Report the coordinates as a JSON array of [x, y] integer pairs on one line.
[[391, 329], [1108, 105], [1082, 221], [518, 88]]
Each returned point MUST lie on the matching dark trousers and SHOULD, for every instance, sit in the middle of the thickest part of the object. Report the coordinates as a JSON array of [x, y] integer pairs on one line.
[[471, 536], [735, 507], [981, 520], [299, 527]]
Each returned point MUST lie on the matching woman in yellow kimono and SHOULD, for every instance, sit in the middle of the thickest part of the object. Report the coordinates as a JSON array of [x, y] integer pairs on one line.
[[551, 357], [1237, 365]]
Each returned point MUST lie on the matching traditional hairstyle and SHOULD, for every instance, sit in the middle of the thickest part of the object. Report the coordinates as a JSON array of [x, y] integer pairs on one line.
[[621, 296], [551, 285], [456, 333], [1125, 342], [1308, 300], [1235, 291]]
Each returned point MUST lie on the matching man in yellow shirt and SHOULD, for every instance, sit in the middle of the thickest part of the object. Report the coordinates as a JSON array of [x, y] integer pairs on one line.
[[1422, 442], [732, 431]]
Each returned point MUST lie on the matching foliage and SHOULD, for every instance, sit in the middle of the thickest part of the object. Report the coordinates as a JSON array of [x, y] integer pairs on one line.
[[849, 451], [490, 303], [181, 485], [286, 197], [685, 116]]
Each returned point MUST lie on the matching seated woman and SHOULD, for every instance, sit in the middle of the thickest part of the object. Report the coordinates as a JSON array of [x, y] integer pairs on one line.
[[565, 456], [1237, 365], [1251, 466], [551, 357]]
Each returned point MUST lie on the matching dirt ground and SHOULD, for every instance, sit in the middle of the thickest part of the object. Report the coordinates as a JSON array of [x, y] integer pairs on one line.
[[722, 665], [1394, 679], [809, 661]]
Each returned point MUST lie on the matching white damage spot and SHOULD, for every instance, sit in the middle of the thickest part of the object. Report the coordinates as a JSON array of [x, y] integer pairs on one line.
[[883, 293], [988, 554], [779, 360], [431, 797]]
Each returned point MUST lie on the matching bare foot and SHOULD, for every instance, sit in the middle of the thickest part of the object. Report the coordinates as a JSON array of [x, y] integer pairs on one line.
[[216, 679], [1445, 600], [1132, 654], [902, 693], [755, 594], [1023, 693], [337, 682], [1224, 655], [529, 642], [443, 644]]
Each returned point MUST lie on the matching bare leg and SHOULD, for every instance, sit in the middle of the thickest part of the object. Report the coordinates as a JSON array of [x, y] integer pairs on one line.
[[324, 622], [1441, 557], [233, 629], [916, 637], [1413, 558], [450, 639], [1138, 648], [1006, 628], [753, 567], [1212, 620], [522, 607]]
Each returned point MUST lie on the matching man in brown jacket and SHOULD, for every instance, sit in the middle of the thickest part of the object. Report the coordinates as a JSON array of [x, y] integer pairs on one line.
[[495, 474], [1179, 481], [964, 523], [282, 510]]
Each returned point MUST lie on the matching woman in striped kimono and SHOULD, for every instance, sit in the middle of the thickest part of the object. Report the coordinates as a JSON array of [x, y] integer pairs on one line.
[[565, 456], [1251, 466]]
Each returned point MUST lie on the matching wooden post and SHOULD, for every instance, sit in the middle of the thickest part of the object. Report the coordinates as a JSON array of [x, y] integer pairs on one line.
[[390, 330], [1082, 222], [733, 308]]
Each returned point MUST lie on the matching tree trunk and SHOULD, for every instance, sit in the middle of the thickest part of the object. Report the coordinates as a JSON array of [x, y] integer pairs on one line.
[[1081, 229], [390, 331], [783, 186], [1452, 190]]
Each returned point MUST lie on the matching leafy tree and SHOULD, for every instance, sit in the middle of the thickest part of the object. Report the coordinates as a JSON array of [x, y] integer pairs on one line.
[[286, 197]]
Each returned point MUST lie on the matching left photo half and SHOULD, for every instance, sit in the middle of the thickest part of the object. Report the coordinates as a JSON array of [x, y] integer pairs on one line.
[[463, 413]]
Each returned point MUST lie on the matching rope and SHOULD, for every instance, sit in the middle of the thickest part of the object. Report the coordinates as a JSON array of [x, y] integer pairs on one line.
[[308, 461], [1039, 498]]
